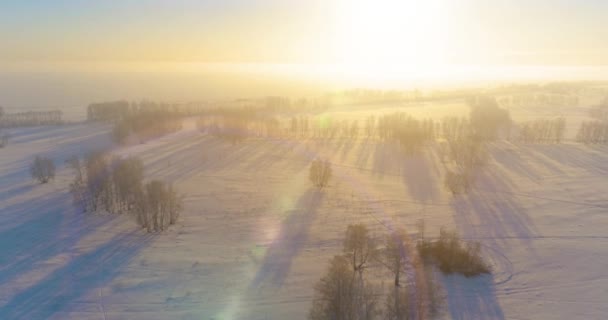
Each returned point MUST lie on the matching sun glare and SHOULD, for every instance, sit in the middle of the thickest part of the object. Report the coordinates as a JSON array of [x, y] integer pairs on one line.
[[390, 34]]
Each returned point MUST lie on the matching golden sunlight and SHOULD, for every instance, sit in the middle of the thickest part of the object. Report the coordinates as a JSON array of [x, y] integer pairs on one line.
[[390, 34]]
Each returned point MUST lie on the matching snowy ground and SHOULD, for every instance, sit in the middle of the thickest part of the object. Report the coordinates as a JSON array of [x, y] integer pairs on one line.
[[255, 236]]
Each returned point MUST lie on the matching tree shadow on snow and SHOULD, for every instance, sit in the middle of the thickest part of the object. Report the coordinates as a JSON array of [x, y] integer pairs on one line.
[[472, 298], [492, 212], [53, 228], [81, 275], [420, 178], [290, 241]]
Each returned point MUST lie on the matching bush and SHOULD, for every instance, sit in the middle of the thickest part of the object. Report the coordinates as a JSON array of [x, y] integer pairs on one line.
[[43, 169], [339, 295], [450, 255], [320, 173]]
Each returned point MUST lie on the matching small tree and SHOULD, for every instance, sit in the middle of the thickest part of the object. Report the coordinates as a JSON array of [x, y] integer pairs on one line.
[[320, 173], [359, 247], [43, 169], [394, 254]]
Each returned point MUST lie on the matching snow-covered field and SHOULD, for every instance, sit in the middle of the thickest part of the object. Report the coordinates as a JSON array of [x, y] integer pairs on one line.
[[255, 236]]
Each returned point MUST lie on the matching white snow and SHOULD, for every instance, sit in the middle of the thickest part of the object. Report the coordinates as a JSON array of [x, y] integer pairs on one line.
[[255, 236]]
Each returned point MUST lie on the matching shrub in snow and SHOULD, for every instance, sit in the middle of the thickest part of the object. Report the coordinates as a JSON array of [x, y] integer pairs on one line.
[[320, 173], [43, 169], [451, 255]]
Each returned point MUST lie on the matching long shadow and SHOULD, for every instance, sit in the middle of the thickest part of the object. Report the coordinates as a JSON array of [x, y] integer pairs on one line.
[[53, 229], [472, 298], [386, 159], [56, 291], [578, 156], [419, 177], [492, 213], [290, 241], [365, 150], [511, 159]]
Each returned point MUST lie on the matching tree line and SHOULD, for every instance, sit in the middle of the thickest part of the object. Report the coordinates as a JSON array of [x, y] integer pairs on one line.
[[543, 131], [30, 118]]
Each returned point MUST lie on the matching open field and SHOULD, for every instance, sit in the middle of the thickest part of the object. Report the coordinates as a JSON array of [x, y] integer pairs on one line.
[[255, 236]]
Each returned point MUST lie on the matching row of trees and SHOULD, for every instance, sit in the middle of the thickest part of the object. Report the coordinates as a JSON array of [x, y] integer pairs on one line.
[[117, 186], [543, 131], [540, 100], [30, 118], [112, 111], [145, 125]]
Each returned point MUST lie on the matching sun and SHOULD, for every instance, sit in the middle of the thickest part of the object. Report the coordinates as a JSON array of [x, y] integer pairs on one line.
[[390, 34]]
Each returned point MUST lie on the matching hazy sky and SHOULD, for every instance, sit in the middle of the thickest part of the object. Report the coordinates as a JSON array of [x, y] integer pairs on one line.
[[539, 32]]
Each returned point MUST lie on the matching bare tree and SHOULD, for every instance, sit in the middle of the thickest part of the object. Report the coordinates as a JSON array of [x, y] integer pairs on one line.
[[43, 169], [359, 247], [394, 254]]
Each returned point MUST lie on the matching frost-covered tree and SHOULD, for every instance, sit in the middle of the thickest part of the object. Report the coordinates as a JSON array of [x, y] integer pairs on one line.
[[127, 176], [42, 169], [157, 207]]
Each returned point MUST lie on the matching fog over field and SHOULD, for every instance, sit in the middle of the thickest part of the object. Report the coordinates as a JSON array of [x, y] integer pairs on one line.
[[319, 159]]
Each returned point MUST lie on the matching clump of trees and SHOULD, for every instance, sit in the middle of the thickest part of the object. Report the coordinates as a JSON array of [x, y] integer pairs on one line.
[[451, 255], [543, 131], [320, 172], [408, 132], [465, 151], [42, 169], [466, 140], [344, 292], [158, 206], [487, 119], [117, 186], [593, 132], [144, 120]]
